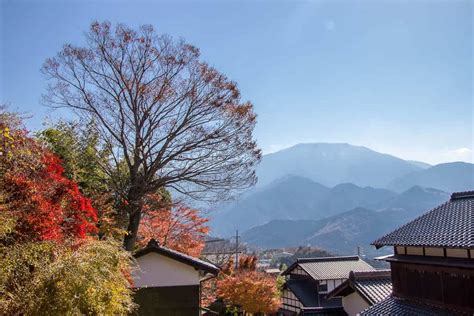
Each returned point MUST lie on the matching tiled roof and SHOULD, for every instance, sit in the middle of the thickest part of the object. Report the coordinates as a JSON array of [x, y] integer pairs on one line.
[[153, 246], [373, 286], [327, 268], [449, 225], [395, 306]]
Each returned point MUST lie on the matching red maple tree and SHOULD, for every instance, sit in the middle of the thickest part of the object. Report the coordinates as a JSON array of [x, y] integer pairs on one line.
[[45, 204], [177, 227]]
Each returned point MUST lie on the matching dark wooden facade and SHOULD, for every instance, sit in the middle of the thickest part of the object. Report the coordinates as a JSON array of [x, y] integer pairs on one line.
[[168, 301], [444, 286], [433, 261]]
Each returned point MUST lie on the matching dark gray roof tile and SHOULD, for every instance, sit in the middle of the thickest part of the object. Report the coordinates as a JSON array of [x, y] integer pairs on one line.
[[395, 306], [373, 286], [449, 225]]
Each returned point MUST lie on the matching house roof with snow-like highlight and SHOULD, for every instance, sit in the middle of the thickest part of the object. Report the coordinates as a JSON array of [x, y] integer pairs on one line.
[[330, 268]]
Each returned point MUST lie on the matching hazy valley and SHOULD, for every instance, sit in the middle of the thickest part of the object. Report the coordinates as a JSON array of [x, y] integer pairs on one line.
[[336, 196]]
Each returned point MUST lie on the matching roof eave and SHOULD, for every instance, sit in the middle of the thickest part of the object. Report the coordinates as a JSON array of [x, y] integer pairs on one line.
[[161, 251], [338, 290]]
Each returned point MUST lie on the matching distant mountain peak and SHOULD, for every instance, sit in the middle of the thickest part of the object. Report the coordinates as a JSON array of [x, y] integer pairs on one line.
[[323, 145], [294, 179], [333, 163], [417, 189], [449, 177], [345, 186], [421, 164]]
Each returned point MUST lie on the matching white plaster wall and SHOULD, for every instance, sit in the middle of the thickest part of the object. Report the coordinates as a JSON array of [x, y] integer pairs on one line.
[[354, 304], [158, 270], [332, 284]]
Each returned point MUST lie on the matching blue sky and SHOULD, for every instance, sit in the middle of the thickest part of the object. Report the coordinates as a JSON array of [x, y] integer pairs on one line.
[[396, 76]]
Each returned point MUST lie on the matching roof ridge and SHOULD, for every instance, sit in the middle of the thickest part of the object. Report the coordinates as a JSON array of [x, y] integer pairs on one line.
[[323, 259], [361, 275], [448, 225], [462, 195], [378, 242], [154, 246]]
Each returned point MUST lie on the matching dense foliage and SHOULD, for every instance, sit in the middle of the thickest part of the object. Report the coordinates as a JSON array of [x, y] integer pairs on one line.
[[45, 204], [47, 278], [244, 288], [83, 159], [51, 260]]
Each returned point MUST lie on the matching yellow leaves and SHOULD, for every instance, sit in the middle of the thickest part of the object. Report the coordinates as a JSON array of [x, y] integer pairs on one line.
[[6, 133], [7, 221], [87, 279], [6, 143], [13, 144]]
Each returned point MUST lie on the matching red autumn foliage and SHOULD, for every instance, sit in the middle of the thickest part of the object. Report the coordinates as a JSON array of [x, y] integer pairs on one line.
[[177, 227], [45, 204]]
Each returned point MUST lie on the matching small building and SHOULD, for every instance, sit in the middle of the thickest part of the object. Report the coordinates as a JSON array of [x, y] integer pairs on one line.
[[310, 279], [432, 267], [362, 290], [168, 282]]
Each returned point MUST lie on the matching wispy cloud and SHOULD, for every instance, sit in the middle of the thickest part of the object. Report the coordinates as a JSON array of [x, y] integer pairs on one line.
[[462, 151], [460, 154], [329, 25]]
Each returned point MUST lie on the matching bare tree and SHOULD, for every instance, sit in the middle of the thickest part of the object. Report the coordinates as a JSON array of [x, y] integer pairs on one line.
[[170, 119]]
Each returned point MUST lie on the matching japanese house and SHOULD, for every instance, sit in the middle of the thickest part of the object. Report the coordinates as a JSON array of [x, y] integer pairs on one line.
[[362, 290], [168, 282], [310, 279], [433, 262]]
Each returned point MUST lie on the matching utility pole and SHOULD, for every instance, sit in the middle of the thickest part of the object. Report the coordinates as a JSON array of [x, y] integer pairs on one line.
[[236, 249], [358, 251]]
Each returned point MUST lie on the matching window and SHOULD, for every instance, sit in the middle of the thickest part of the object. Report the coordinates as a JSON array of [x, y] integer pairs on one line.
[[323, 288]]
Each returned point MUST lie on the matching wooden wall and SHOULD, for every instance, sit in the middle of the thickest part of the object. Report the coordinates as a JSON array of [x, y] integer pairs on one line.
[[447, 287], [168, 301]]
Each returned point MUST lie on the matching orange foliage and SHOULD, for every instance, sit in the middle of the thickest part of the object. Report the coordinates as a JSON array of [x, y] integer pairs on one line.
[[253, 291], [176, 227]]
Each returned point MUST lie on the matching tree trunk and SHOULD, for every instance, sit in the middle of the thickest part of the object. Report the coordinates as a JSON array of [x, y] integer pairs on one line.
[[132, 229], [135, 198]]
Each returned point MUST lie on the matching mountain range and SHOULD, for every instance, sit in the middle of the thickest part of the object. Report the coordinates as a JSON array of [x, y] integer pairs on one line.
[[451, 177], [336, 196], [344, 232], [298, 198]]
